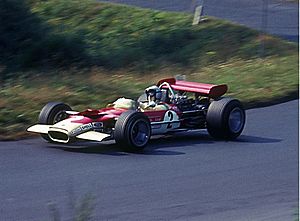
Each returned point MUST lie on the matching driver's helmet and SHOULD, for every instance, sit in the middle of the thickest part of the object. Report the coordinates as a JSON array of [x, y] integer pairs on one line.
[[153, 93]]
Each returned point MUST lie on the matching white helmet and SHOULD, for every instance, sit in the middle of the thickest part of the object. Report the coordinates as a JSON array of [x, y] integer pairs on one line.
[[153, 93]]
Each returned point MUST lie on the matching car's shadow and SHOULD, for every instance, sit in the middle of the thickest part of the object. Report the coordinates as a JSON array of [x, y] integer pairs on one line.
[[255, 139], [158, 144]]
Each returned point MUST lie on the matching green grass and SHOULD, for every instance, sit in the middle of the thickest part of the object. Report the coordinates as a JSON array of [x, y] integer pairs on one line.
[[59, 33], [87, 54]]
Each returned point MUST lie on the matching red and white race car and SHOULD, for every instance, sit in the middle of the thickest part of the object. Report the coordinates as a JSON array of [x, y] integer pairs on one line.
[[167, 107]]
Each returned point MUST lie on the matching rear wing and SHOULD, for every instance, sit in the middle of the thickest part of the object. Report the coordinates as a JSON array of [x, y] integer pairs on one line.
[[207, 90]]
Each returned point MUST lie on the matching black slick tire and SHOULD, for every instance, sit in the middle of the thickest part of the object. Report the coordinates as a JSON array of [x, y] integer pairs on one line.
[[225, 118], [51, 114], [132, 131]]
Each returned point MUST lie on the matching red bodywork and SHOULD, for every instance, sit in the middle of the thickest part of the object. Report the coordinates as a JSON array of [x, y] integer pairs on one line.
[[101, 115], [111, 113]]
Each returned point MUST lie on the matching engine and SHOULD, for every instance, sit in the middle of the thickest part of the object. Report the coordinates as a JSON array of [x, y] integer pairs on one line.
[[193, 111]]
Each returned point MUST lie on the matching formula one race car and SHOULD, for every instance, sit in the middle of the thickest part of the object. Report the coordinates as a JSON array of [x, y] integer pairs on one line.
[[170, 106]]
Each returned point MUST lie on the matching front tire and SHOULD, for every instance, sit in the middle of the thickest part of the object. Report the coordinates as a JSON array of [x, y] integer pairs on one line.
[[225, 118], [52, 113], [132, 130]]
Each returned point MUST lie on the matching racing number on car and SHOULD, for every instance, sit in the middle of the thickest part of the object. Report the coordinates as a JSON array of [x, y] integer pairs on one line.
[[170, 116]]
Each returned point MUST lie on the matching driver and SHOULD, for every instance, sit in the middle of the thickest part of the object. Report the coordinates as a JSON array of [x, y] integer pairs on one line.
[[154, 96]]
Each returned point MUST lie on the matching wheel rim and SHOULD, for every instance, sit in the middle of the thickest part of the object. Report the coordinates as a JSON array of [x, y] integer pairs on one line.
[[236, 120], [140, 133], [61, 115]]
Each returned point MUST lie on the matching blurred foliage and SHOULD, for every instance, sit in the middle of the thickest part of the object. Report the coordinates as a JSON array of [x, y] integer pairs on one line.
[[27, 41], [57, 33]]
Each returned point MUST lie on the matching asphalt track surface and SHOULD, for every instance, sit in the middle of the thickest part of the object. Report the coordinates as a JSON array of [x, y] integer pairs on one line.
[[281, 16], [185, 177]]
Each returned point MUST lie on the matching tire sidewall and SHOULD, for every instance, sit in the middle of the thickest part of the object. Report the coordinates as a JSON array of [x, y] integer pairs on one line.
[[225, 119], [124, 127], [218, 118], [129, 129]]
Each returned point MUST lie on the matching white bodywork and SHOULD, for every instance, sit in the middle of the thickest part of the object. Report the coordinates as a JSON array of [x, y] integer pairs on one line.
[[65, 127], [39, 128], [170, 122]]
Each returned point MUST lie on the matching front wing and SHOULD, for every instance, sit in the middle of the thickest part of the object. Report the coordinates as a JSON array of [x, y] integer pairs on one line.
[[50, 130]]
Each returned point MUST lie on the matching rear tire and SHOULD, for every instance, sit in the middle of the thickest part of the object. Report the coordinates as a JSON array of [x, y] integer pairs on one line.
[[225, 118], [132, 131], [52, 113]]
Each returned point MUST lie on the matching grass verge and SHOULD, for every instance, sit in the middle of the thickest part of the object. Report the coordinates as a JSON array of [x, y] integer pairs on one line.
[[91, 53], [255, 82]]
